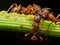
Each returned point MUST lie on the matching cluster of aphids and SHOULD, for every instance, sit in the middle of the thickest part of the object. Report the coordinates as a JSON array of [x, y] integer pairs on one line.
[[38, 12]]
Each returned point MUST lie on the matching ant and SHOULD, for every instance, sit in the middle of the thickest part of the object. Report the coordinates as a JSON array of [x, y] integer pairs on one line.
[[39, 13], [35, 8], [45, 12], [37, 19], [29, 9], [20, 9]]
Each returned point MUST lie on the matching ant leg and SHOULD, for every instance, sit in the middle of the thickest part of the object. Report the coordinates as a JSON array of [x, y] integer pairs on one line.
[[58, 16], [42, 20], [58, 24], [27, 34], [58, 19], [48, 19], [47, 30], [41, 38], [11, 7], [34, 37]]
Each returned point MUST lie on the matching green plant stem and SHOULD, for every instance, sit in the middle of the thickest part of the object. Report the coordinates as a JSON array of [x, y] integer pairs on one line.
[[17, 22], [26, 26]]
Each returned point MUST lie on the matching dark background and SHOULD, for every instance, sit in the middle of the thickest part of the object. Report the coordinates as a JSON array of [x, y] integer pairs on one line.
[[10, 37]]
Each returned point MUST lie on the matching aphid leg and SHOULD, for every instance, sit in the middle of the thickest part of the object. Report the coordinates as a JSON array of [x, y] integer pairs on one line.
[[11, 7]]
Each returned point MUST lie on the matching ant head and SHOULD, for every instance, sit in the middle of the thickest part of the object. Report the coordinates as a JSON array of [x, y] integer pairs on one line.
[[45, 11]]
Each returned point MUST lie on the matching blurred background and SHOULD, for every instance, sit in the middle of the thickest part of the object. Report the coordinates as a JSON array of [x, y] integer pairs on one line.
[[10, 37]]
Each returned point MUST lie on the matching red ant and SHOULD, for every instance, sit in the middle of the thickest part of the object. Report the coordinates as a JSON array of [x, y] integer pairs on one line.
[[36, 10], [46, 13], [29, 9], [20, 9]]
